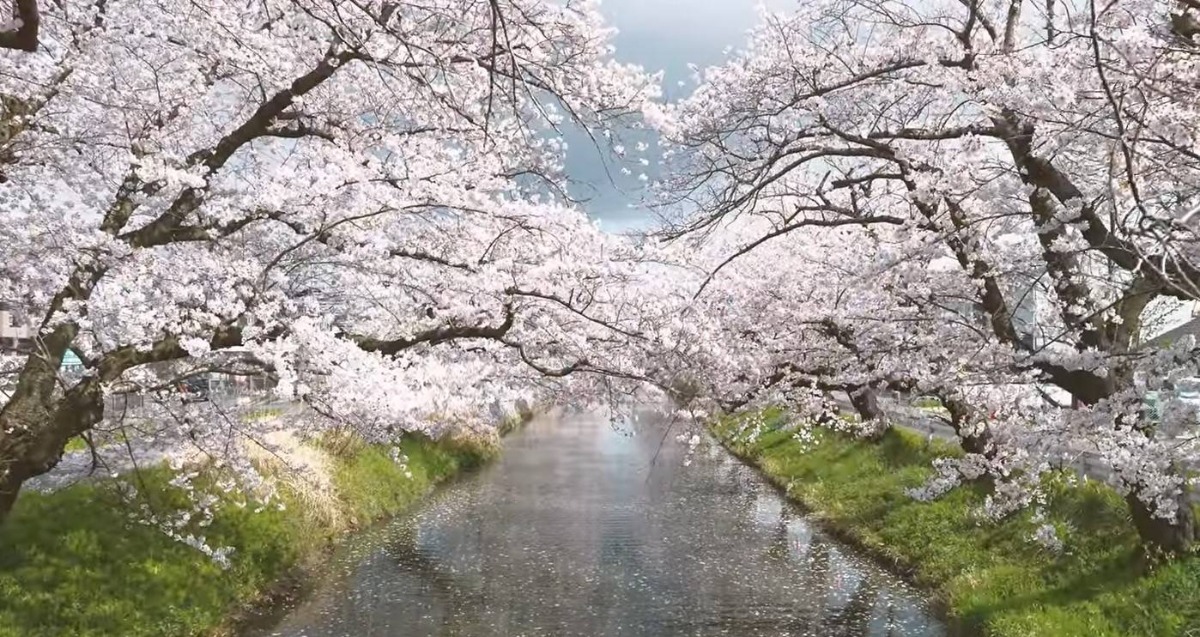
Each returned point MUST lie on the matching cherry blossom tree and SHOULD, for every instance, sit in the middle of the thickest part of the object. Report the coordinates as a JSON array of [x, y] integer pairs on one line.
[[1047, 151], [363, 199]]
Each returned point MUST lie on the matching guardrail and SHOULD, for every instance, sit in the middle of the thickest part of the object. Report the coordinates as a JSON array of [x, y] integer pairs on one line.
[[132, 403]]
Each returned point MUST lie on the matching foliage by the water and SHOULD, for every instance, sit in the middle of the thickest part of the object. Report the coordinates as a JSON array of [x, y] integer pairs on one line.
[[989, 575], [73, 565]]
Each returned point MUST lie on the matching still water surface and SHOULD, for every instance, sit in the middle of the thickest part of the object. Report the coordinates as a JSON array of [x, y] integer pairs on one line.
[[578, 530]]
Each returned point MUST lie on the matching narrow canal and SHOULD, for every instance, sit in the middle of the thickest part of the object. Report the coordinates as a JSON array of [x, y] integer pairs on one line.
[[578, 530]]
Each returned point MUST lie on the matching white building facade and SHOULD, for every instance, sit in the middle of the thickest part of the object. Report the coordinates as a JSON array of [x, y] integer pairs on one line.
[[16, 333]]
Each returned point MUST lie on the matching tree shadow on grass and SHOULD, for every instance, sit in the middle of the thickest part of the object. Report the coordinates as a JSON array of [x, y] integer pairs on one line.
[[1109, 577], [72, 565]]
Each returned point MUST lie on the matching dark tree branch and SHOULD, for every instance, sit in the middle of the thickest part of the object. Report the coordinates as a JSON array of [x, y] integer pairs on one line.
[[391, 347], [516, 291], [779, 232], [25, 37], [1174, 277]]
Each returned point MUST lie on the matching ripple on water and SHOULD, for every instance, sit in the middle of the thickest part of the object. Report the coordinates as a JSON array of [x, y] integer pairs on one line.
[[575, 531]]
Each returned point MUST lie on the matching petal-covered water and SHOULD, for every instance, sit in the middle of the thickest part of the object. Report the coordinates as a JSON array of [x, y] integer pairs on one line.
[[578, 530]]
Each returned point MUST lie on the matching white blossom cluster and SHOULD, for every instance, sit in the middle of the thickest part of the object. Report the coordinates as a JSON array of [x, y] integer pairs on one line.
[[991, 208], [362, 203]]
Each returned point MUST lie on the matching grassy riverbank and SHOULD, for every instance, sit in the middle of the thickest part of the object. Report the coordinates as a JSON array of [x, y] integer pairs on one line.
[[72, 565], [991, 578]]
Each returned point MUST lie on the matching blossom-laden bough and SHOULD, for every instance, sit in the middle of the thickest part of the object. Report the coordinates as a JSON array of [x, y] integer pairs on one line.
[[982, 201], [362, 199]]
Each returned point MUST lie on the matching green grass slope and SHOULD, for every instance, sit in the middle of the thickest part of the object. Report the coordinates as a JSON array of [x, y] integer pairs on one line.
[[991, 578], [72, 565]]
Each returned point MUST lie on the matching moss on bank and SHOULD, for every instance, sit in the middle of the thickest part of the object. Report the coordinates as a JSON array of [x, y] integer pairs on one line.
[[71, 564], [990, 577]]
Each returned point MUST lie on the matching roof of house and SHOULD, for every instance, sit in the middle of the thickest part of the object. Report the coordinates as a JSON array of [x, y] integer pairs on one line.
[[1170, 336]]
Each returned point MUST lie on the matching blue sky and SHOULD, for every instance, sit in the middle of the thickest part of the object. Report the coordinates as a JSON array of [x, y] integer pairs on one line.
[[663, 35]]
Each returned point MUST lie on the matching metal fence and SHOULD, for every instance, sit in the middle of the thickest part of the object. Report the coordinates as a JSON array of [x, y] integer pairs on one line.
[[238, 398]]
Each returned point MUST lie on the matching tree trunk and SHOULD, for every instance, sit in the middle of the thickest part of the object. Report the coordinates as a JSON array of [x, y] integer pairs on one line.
[[980, 443], [34, 430], [24, 457], [866, 402], [1162, 537], [8, 497], [977, 442], [828, 416], [24, 454]]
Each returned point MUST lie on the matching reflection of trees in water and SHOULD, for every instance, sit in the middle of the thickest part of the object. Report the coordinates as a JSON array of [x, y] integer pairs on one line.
[[768, 507], [403, 552], [854, 618], [734, 622], [822, 570], [828, 572], [583, 538], [894, 626], [820, 558], [780, 546], [850, 620], [458, 599], [867, 598]]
